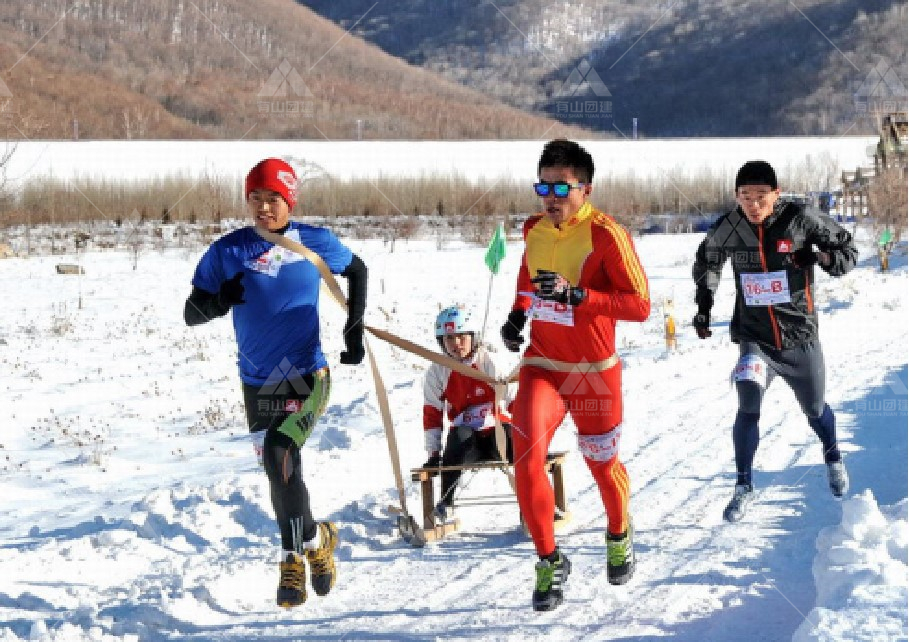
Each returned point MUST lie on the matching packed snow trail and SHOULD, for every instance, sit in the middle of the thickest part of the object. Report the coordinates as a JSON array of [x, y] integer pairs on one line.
[[134, 509]]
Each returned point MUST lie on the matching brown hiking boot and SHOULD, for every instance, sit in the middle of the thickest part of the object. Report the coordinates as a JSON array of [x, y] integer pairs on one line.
[[292, 585], [322, 561]]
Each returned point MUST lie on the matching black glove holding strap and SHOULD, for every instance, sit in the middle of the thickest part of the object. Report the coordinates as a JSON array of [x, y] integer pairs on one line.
[[552, 286], [231, 292], [356, 275], [511, 330], [353, 341]]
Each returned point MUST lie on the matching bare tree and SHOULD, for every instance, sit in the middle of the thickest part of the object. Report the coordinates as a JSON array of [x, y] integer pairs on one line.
[[9, 149], [135, 122], [134, 241], [6, 155], [887, 200]]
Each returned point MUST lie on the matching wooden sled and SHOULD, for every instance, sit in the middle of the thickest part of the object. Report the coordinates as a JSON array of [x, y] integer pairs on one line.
[[425, 476]]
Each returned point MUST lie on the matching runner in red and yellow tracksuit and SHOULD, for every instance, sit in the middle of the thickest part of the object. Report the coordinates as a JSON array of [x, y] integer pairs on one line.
[[579, 275]]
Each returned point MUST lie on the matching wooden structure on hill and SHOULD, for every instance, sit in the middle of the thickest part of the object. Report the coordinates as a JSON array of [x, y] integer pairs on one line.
[[890, 152], [891, 149]]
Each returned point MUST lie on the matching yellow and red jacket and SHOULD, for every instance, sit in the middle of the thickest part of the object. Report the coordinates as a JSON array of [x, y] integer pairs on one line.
[[594, 252]]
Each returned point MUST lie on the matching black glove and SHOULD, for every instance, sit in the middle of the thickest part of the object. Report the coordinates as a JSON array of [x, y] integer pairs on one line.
[[805, 257], [511, 331], [555, 287], [434, 461], [701, 323], [231, 292], [353, 340]]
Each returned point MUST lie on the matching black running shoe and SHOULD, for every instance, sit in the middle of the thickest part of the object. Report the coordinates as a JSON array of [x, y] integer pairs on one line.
[[551, 574], [620, 556]]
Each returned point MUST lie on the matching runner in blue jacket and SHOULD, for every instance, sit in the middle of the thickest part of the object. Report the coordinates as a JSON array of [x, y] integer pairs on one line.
[[273, 295]]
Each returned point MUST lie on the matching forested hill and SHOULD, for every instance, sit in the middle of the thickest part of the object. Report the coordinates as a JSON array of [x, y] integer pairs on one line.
[[682, 67]]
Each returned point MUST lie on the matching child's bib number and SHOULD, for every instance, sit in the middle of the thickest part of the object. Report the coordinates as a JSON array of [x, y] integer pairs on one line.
[[477, 417]]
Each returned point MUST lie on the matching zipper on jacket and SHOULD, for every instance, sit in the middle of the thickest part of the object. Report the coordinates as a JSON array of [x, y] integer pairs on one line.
[[808, 292], [773, 324]]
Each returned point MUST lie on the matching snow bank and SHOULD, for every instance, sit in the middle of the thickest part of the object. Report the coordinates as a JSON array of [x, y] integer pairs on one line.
[[861, 575]]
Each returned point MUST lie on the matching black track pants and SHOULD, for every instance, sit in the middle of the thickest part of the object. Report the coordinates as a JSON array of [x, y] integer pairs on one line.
[[802, 368]]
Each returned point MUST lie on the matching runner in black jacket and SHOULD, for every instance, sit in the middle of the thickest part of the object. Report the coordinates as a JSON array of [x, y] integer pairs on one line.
[[773, 247]]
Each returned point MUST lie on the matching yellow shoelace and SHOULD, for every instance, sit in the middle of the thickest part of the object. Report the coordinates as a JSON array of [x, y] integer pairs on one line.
[[293, 575], [321, 561]]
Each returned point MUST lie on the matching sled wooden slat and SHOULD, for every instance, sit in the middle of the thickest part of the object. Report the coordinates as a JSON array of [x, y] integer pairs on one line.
[[425, 476], [434, 533]]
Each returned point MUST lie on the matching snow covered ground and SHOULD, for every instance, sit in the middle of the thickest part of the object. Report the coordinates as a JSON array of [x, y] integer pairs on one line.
[[133, 508], [116, 161]]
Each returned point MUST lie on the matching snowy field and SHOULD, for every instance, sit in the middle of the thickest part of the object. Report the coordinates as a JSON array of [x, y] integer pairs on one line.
[[133, 508]]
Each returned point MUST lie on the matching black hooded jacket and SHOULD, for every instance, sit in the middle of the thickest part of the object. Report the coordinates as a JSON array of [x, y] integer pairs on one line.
[[763, 270]]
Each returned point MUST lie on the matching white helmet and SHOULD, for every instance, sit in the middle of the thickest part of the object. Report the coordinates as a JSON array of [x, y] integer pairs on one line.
[[455, 320]]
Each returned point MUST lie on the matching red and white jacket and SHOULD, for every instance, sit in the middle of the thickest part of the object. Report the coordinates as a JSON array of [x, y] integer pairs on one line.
[[469, 401]]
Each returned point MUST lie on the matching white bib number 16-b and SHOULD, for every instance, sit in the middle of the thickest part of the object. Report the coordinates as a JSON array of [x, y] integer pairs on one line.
[[765, 288]]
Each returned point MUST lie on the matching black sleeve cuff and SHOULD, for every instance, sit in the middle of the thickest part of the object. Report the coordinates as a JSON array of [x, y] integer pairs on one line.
[[357, 277], [201, 307]]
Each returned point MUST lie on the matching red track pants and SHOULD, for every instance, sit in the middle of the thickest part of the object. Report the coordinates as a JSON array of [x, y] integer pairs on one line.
[[594, 400]]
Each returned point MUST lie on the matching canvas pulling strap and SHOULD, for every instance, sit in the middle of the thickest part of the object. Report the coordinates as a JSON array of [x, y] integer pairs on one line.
[[567, 366], [381, 392]]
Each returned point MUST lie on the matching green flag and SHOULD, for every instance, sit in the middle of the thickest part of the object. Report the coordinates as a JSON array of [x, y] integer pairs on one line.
[[886, 237], [496, 250]]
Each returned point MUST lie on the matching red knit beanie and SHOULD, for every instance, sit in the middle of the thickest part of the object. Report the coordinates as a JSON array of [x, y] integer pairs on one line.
[[276, 175]]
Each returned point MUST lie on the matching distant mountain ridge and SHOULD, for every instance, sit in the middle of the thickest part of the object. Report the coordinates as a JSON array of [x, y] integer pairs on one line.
[[681, 68], [225, 69]]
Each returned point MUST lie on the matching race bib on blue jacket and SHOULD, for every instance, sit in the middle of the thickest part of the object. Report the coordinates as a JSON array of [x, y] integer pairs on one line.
[[277, 328]]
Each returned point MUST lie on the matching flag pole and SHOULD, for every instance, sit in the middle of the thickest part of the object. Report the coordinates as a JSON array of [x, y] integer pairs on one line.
[[494, 255], [486, 313]]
